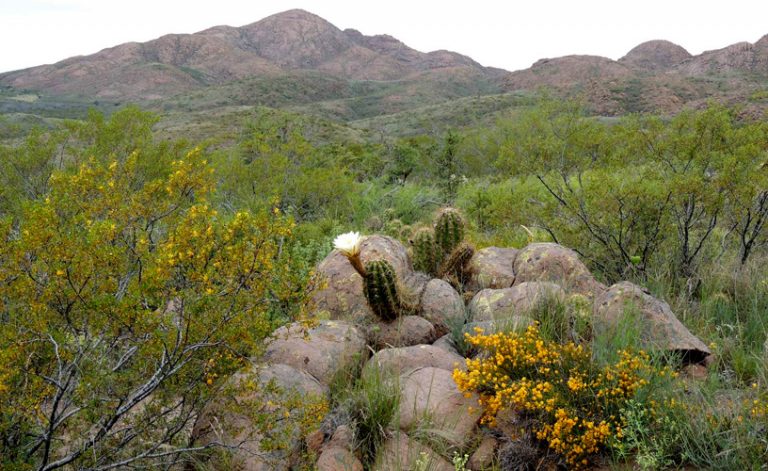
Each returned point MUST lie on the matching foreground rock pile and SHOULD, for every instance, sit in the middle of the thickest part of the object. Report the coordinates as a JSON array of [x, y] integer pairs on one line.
[[418, 352]]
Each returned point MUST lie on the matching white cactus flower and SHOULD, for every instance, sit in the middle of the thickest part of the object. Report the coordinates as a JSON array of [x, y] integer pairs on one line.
[[348, 244]]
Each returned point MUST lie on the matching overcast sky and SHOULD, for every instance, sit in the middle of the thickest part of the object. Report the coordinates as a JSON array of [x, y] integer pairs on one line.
[[511, 34]]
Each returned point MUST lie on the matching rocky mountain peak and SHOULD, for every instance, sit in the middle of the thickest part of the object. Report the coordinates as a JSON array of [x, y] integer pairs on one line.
[[295, 38], [655, 55]]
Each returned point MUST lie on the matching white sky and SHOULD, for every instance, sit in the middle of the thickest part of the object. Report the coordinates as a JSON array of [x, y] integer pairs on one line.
[[510, 34]]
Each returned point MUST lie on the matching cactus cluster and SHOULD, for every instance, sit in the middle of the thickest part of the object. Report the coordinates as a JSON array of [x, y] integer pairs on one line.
[[441, 251], [381, 290]]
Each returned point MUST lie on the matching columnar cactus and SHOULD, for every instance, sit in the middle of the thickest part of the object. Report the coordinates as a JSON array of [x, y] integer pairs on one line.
[[427, 255], [449, 230], [381, 291]]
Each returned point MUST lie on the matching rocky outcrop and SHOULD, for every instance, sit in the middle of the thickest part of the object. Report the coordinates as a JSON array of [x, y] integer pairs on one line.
[[628, 306], [306, 360]]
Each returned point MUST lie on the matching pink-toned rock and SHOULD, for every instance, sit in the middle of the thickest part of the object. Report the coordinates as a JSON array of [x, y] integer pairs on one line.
[[519, 300], [429, 396], [402, 332], [442, 306], [492, 267], [657, 325], [314, 441], [557, 264], [324, 350], [401, 453], [335, 458], [445, 343], [343, 437], [404, 359], [342, 294], [482, 458]]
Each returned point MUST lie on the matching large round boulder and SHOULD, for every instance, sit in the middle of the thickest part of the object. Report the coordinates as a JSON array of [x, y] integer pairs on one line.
[[429, 397], [341, 294], [626, 303], [519, 300], [401, 360], [402, 332], [557, 264], [492, 267], [442, 306], [324, 351]]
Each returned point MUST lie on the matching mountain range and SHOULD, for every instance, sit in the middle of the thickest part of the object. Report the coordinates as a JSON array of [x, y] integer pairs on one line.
[[300, 61]]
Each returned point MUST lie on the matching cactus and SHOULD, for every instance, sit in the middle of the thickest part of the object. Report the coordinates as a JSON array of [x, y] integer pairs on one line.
[[427, 255], [381, 291], [449, 230], [456, 266]]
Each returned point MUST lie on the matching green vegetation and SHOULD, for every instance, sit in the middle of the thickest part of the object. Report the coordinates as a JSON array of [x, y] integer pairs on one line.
[[131, 258]]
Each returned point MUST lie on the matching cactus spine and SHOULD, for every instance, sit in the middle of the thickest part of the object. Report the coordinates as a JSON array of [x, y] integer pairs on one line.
[[381, 291], [449, 230], [427, 255]]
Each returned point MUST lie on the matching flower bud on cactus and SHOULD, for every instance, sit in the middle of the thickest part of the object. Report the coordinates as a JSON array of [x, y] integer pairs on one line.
[[427, 255], [449, 230], [381, 291]]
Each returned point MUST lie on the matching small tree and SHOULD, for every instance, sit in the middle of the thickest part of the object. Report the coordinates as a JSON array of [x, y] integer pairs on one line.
[[124, 304]]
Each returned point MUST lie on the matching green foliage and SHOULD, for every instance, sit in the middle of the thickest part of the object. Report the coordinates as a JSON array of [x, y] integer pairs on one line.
[[370, 407], [276, 161], [642, 193], [381, 290]]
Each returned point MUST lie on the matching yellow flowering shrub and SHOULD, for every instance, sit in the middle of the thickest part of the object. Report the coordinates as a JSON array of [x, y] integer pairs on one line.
[[575, 405], [126, 301]]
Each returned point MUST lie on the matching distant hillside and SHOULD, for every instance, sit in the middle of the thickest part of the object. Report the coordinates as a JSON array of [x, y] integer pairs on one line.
[[289, 41], [656, 76], [299, 62]]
